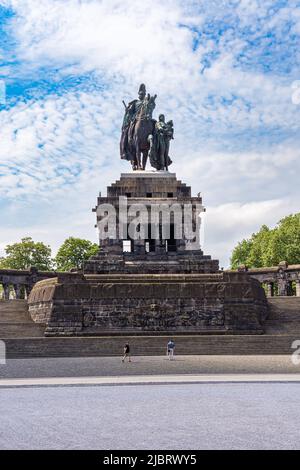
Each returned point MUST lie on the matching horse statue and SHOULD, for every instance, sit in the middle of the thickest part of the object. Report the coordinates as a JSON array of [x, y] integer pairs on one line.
[[140, 129], [143, 135]]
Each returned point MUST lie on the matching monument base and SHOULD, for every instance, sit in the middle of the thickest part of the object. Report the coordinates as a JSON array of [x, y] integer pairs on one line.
[[188, 262], [160, 286], [155, 191], [76, 304]]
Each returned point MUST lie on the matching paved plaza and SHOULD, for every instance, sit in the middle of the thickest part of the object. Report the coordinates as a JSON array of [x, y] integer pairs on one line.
[[181, 416], [193, 402], [146, 365]]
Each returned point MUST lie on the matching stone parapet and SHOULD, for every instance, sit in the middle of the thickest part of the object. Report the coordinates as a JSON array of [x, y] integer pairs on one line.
[[281, 280], [17, 284]]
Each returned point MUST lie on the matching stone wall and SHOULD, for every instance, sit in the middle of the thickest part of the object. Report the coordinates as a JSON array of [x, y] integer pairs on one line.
[[223, 303]]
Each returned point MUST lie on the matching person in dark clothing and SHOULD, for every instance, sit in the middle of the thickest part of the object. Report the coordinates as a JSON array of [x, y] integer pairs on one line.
[[126, 352]]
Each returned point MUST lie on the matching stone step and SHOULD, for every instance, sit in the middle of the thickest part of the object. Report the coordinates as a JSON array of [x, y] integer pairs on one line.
[[287, 307], [148, 346], [24, 338], [15, 321], [14, 311], [13, 305], [21, 330], [284, 316]]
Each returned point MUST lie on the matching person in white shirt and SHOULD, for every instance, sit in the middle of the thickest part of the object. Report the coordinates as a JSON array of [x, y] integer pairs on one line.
[[170, 349]]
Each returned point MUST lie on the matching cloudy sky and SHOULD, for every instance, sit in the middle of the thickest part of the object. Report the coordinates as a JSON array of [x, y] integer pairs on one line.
[[226, 72]]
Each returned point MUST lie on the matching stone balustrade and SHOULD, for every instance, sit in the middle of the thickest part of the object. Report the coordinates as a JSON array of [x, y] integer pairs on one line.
[[15, 284], [282, 280], [279, 280]]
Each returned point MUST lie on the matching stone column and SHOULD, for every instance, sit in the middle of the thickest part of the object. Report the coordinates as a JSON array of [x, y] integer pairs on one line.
[[6, 291], [160, 247], [298, 288], [17, 288], [282, 287], [139, 247], [270, 291], [27, 290]]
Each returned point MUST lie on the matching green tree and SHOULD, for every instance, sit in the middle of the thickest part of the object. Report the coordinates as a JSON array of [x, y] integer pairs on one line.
[[268, 247], [285, 242], [240, 253], [73, 252], [258, 254], [27, 253]]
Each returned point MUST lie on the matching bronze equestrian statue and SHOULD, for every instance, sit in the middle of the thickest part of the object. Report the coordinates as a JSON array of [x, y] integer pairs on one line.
[[141, 134]]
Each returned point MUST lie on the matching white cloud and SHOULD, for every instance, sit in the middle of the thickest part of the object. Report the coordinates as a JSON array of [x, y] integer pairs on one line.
[[50, 144], [227, 224], [130, 42], [111, 37], [242, 176]]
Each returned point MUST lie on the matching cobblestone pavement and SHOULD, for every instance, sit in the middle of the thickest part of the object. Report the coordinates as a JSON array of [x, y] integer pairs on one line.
[[145, 365], [201, 416]]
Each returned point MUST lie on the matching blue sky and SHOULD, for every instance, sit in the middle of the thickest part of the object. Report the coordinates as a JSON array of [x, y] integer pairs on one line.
[[222, 70]]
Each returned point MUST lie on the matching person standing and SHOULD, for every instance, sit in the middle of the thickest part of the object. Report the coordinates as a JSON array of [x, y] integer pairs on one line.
[[170, 349], [126, 352]]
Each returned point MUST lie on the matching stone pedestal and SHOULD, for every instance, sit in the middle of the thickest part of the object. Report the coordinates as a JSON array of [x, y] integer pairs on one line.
[[75, 304], [152, 190], [161, 286]]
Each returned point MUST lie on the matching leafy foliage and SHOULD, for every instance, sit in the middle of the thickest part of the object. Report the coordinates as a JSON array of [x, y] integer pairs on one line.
[[73, 252], [27, 253], [268, 247]]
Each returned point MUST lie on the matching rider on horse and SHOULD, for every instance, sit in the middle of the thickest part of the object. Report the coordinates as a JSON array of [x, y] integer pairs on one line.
[[131, 111], [142, 135]]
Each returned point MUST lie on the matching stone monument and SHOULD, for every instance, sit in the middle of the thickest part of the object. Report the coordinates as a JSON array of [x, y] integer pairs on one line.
[[150, 275]]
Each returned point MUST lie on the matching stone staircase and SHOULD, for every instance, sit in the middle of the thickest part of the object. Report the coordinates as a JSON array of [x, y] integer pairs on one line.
[[24, 338], [149, 345], [284, 316], [15, 321]]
